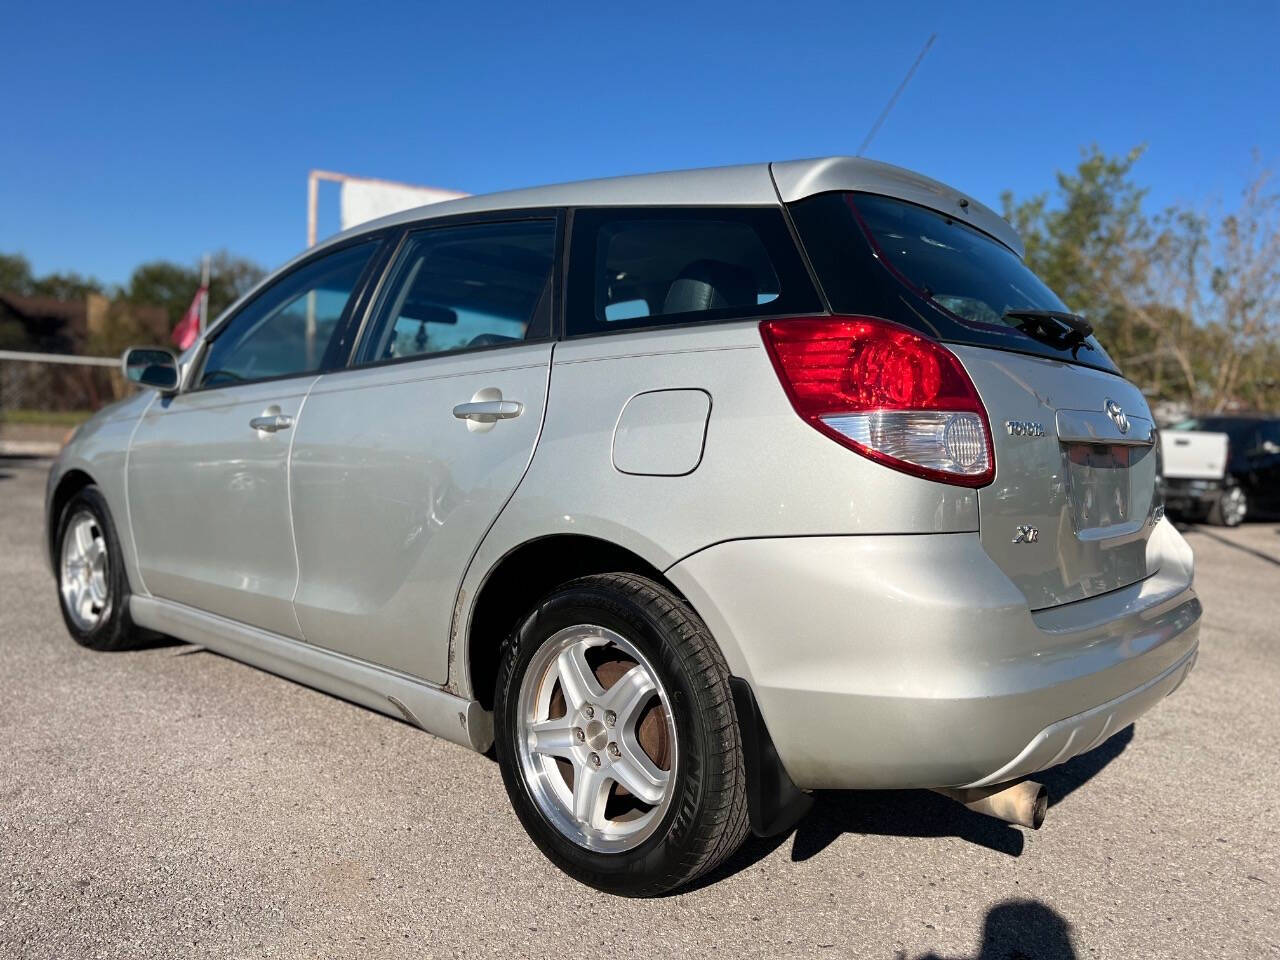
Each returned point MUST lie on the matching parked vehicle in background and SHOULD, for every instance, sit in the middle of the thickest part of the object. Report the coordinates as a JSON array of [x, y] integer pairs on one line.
[[1222, 468], [687, 493]]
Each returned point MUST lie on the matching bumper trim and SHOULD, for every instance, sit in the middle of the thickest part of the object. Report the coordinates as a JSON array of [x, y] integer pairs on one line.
[[1074, 735]]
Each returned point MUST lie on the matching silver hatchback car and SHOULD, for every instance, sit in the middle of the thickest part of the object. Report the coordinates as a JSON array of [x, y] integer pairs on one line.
[[686, 494]]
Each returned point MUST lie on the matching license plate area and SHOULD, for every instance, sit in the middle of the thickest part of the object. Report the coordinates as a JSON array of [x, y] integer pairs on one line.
[[1098, 480]]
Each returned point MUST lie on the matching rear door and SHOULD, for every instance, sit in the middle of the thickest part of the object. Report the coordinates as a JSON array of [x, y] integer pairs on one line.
[[208, 469], [404, 461]]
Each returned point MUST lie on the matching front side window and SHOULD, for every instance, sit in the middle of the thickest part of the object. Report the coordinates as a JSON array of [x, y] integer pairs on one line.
[[634, 268], [462, 287], [286, 329]]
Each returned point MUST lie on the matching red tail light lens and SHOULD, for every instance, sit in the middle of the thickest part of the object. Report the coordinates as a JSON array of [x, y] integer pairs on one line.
[[886, 392]]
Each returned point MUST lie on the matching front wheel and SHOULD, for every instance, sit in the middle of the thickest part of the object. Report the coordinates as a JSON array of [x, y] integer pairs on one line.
[[617, 737], [93, 588]]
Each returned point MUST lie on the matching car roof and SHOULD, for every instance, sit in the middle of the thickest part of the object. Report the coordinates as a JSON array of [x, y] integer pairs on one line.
[[759, 184]]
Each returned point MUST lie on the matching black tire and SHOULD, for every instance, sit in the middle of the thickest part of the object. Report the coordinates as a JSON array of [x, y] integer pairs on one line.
[[115, 629], [707, 819], [1230, 509]]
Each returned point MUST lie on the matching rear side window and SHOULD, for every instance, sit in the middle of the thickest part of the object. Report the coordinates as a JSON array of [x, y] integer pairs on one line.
[[463, 287], [884, 257], [642, 267]]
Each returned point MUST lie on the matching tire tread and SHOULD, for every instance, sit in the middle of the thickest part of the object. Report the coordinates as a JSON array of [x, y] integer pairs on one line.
[[724, 820]]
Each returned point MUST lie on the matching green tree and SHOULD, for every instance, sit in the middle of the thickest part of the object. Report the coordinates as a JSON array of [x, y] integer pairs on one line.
[[174, 285], [1185, 302], [16, 277], [1084, 244], [66, 286], [15, 274]]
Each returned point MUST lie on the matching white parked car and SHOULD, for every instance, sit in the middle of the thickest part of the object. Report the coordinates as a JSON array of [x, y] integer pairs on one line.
[[686, 493]]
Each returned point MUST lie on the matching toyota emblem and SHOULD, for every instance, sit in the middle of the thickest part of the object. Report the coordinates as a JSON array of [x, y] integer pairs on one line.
[[1116, 413]]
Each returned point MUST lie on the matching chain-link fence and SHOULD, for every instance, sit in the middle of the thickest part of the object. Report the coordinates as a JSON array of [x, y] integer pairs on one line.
[[43, 396]]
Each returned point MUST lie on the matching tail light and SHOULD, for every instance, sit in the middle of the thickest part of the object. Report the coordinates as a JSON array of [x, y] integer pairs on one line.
[[888, 393]]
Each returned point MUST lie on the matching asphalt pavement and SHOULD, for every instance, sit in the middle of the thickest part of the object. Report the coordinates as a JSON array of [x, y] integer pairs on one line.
[[173, 803]]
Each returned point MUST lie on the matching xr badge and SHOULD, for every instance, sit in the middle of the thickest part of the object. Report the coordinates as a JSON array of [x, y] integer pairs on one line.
[[1027, 534]]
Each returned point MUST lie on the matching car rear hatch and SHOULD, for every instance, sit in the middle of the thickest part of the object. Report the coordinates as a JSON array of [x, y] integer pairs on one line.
[[1074, 494]]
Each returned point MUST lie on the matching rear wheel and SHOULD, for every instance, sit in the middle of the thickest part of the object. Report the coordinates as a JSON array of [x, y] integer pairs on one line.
[[1230, 508], [617, 737], [93, 589]]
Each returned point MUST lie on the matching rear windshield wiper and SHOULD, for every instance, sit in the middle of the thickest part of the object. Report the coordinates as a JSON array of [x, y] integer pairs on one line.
[[1066, 331]]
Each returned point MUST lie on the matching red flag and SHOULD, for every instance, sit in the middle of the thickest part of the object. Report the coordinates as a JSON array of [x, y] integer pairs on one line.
[[188, 328]]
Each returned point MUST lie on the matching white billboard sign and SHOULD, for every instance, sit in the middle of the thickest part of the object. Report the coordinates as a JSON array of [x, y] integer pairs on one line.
[[364, 200]]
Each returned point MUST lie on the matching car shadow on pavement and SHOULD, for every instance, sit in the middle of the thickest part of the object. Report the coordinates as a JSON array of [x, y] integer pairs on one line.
[[1019, 930], [914, 813]]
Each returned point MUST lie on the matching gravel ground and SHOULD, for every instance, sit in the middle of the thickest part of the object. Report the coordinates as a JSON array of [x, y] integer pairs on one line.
[[171, 802]]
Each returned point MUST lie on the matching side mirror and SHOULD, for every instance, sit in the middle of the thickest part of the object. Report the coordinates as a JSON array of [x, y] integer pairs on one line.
[[151, 367]]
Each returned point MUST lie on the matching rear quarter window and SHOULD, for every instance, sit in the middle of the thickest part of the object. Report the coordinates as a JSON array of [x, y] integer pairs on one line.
[[641, 267]]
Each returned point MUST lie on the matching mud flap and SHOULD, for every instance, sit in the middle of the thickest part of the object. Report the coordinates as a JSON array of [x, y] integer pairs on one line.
[[775, 803]]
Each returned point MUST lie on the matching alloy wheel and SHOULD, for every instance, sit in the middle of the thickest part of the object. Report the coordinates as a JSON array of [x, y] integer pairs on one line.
[[596, 739], [84, 582], [1234, 506]]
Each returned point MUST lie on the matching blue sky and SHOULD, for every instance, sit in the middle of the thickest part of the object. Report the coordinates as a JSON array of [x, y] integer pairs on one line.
[[143, 131]]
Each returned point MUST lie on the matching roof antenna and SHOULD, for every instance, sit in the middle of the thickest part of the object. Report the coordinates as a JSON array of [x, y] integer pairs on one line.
[[875, 127]]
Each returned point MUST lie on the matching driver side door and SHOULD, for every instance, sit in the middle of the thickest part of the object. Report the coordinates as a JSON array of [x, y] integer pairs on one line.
[[208, 469]]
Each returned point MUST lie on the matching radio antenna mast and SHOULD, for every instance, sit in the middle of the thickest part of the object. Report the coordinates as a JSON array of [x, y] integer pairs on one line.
[[875, 127]]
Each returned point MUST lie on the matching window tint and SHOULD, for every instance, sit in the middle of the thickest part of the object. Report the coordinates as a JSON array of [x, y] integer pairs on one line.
[[883, 257], [286, 329], [653, 268], [960, 268], [453, 288], [638, 267]]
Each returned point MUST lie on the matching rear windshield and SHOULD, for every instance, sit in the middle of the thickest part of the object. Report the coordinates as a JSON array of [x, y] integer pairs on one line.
[[885, 257]]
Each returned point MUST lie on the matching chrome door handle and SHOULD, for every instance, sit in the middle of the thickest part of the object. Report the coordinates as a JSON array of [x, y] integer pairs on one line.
[[488, 411], [272, 424]]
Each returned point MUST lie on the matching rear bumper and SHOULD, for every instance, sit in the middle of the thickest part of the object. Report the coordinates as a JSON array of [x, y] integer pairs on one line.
[[913, 661]]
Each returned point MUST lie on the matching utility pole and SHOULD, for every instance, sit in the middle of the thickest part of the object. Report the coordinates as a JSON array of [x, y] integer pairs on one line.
[[204, 297]]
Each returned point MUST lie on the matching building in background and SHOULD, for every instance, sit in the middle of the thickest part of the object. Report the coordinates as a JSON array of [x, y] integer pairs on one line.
[[49, 325], [32, 391]]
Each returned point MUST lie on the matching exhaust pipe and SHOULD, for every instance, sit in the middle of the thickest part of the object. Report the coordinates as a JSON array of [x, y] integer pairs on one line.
[[1023, 803]]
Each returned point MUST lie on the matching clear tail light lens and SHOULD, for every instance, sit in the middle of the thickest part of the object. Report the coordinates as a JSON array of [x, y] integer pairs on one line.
[[887, 392]]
